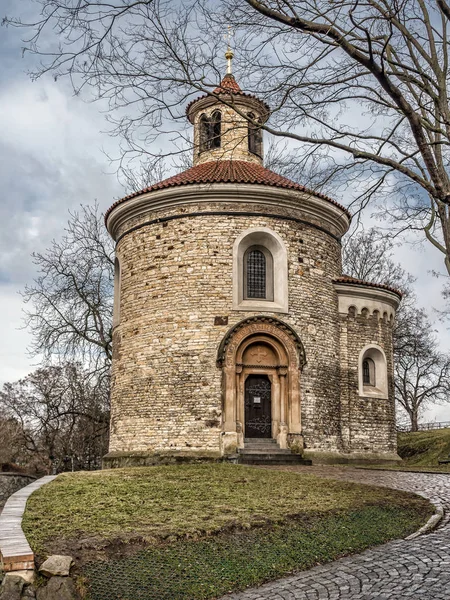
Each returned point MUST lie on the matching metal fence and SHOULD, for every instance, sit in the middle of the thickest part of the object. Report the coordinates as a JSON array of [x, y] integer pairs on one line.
[[425, 426]]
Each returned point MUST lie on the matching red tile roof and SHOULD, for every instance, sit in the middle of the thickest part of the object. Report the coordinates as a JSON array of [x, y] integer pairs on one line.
[[355, 281], [228, 85], [227, 171]]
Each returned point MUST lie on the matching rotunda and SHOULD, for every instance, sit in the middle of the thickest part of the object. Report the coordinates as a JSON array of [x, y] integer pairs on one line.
[[233, 323]]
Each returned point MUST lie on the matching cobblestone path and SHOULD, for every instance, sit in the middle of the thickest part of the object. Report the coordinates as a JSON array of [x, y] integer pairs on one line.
[[418, 568]]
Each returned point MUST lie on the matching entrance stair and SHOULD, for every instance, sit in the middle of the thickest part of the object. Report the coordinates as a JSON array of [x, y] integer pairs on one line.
[[265, 451]]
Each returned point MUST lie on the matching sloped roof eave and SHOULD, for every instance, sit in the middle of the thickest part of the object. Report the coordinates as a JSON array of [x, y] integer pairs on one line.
[[353, 281], [237, 172]]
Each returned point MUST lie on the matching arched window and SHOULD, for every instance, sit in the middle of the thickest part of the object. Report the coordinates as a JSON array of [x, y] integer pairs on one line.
[[254, 136], [255, 275], [210, 131], [368, 372], [204, 133], [216, 129], [373, 375], [260, 277]]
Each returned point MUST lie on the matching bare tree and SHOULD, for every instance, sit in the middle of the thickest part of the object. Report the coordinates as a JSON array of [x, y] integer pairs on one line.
[[422, 372], [362, 85], [12, 447], [70, 302], [368, 255], [421, 368], [63, 413]]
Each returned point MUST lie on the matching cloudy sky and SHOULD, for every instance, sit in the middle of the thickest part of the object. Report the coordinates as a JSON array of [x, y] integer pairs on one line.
[[52, 158]]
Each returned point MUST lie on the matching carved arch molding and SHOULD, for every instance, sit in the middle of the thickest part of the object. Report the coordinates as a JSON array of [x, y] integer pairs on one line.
[[267, 347]]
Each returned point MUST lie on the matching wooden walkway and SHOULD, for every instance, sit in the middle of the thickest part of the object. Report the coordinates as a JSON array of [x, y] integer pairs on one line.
[[15, 552]]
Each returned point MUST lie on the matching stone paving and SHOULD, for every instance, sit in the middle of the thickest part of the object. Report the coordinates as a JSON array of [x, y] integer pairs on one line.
[[418, 568]]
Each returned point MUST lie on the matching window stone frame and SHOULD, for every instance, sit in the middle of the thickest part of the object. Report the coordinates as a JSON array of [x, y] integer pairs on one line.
[[380, 376], [263, 238]]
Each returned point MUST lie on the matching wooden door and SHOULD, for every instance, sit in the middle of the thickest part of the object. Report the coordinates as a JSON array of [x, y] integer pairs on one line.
[[258, 407]]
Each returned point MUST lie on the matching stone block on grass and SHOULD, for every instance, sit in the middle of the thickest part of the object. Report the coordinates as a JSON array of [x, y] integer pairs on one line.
[[56, 565], [58, 588], [11, 588]]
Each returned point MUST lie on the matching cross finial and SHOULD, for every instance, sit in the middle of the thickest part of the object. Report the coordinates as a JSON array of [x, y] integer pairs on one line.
[[229, 53]]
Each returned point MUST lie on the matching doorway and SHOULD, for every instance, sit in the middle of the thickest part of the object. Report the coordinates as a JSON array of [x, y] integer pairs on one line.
[[258, 407]]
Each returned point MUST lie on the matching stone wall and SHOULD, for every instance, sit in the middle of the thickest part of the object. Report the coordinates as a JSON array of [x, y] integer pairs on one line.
[[234, 137], [368, 422], [175, 308], [12, 482]]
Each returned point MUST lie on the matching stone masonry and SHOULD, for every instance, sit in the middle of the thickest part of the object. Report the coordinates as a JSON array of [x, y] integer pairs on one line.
[[175, 276]]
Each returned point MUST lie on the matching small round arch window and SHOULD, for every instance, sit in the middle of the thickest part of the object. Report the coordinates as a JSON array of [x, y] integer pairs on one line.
[[254, 136], [368, 372], [210, 131], [373, 375]]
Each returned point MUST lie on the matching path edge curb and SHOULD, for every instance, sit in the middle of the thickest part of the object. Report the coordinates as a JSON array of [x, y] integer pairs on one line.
[[430, 525], [15, 552]]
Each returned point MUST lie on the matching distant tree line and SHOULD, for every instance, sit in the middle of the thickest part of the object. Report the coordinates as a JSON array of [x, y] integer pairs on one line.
[[57, 418]]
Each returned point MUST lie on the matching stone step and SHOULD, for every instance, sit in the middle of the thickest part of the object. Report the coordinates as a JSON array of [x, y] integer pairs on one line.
[[269, 443], [259, 441], [269, 450], [257, 458]]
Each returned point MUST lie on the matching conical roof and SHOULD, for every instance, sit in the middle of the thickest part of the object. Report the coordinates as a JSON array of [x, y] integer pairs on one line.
[[227, 171], [229, 87]]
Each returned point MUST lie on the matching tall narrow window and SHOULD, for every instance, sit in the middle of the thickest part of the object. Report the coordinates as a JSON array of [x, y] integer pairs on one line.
[[210, 131], [216, 129], [256, 274], [368, 372], [254, 136], [204, 132], [260, 271]]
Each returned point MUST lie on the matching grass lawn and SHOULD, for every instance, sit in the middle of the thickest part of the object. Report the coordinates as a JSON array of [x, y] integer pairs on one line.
[[423, 449], [420, 451], [203, 530]]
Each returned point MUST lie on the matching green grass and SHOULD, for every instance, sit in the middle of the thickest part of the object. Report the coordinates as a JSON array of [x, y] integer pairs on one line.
[[210, 528], [424, 448], [183, 500], [212, 567]]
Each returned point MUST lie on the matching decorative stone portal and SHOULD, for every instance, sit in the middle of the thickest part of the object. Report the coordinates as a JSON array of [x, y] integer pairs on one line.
[[261, 359]]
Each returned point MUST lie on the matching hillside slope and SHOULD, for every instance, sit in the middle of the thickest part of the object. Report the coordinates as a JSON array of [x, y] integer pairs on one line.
[[424, 448]]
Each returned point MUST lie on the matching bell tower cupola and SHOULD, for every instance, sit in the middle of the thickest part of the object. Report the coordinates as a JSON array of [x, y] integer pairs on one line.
[[227, 122]]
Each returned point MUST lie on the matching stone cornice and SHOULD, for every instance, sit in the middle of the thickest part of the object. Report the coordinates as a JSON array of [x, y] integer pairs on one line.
[[301, 205], [365, 296]]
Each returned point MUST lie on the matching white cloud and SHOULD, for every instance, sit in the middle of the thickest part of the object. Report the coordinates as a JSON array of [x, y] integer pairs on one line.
[[50, 161], [14, 361]]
